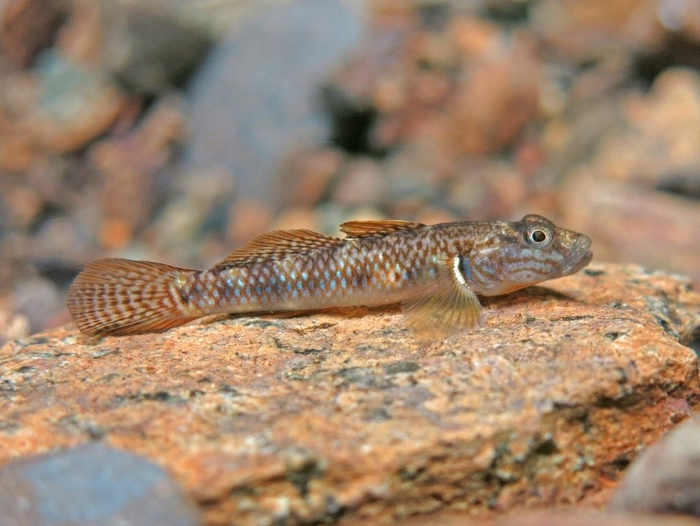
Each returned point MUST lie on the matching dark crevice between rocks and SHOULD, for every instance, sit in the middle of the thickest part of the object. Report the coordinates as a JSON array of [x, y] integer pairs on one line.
[[545, 447], [78, 426], [377, 414], [160, 396], [695, 346], [59, 272], [666, 327], [677, 50], [614, 335], [683, 184], [352, 121], [402, 366], [694, 341], [9, 427], [593, 272], [308, 352], [229, 390], [622, 403], [302, 476], [615, 468], [362, 377]]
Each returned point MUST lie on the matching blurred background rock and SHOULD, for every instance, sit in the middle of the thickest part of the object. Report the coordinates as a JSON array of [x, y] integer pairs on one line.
[[176, 130]]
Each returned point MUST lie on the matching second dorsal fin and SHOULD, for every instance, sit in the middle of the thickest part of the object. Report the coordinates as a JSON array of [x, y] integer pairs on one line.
[[276, 245], [358, 229]]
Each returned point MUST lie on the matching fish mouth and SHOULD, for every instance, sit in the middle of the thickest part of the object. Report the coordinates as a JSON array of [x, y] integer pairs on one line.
[[580, 255]]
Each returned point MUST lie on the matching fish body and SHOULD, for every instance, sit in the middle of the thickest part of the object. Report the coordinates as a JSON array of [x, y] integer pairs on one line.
[[436, 272]]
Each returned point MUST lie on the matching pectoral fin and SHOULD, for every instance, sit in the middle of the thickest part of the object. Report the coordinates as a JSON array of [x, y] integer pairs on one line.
[[444, 306]]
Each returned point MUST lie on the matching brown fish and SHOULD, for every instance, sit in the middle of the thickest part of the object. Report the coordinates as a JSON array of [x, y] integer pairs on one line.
[[435, 272]]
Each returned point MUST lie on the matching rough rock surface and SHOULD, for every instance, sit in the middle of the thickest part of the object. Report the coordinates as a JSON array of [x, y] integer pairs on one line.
[[344, 416]]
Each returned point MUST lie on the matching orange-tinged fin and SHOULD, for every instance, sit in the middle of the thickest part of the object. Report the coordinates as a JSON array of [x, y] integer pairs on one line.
[[443, 306], [118, 297], [276, 245], [357, 229]]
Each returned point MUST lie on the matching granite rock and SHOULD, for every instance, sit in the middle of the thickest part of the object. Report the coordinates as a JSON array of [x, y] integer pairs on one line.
[[330, 416]]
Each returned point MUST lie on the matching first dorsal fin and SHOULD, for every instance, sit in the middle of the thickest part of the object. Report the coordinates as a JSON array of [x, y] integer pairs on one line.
[[358, 229], [276, 245]]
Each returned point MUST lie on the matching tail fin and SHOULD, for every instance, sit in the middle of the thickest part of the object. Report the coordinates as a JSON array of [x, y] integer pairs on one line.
[[118, 297]]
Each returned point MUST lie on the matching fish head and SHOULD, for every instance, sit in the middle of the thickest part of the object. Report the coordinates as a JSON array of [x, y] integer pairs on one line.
[[527, 252]]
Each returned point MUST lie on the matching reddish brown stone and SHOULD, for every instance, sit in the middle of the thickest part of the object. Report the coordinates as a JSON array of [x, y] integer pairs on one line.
[[128, 166], [323, 416], [636, 196], [29, 26], [306, 176], [658, 132], [496, 99], [248, 219], [12, 326], [629, 223], [589, 30], [74, 105], [362, 184]]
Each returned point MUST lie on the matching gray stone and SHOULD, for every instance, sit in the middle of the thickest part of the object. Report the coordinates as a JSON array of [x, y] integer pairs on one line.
[[665, 478], [257, 97], [89, 485]]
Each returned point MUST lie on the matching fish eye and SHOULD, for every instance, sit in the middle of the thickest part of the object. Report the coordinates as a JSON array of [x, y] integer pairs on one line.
[[538, 236]]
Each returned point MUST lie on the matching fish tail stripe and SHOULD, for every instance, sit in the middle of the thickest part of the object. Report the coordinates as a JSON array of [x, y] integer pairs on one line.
[[119, 297]]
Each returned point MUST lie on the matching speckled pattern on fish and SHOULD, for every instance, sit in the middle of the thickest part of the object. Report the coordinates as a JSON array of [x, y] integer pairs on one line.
[[435, 272]]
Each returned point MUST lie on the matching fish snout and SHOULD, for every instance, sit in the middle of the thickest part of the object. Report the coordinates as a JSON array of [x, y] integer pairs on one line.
[[580, 254]]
